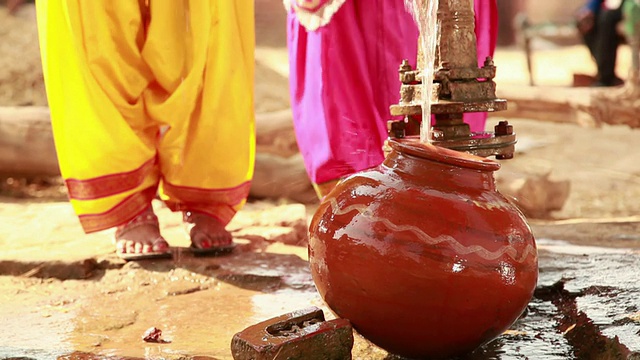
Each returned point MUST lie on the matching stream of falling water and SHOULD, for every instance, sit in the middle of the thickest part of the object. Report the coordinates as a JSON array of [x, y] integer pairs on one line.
[[425, 14]]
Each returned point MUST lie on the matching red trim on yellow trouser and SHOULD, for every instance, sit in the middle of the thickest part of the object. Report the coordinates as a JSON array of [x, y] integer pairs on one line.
[[108, 185], [224, 213], [218, 203], [193, 195], [123, 212]]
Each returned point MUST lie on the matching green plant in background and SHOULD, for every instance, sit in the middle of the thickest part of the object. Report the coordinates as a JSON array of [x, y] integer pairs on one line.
[[631, 14], [631, 11]]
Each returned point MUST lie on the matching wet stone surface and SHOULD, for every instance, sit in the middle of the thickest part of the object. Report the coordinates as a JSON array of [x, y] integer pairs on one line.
[[586, 306], [71, 298]]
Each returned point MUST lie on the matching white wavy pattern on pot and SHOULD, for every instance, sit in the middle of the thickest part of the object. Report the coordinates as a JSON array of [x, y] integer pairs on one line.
[[508, 250], [316, 18]]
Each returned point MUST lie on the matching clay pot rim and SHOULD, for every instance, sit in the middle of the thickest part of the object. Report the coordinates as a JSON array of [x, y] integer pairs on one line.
[[412, 145]]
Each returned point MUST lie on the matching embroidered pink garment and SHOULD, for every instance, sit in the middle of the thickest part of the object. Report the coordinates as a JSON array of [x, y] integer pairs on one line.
[[311, 5], [313, 14]]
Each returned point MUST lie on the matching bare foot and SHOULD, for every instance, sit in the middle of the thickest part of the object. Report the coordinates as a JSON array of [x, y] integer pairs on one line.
[[140, 238], [206, 232]]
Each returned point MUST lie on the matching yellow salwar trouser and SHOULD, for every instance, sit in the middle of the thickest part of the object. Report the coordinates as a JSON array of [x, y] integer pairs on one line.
[[148, 97]]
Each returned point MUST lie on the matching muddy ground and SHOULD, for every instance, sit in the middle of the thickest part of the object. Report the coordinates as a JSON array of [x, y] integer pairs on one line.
[[64, 294]]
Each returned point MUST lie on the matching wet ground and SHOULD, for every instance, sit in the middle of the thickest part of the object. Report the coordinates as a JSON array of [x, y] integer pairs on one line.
[[67, 300], [78, 301]]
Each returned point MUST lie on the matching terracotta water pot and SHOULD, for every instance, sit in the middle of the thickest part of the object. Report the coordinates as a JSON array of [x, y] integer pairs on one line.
[[422, 254]]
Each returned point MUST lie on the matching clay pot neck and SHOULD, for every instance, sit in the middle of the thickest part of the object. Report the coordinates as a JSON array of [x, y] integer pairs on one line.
[[440, 165]]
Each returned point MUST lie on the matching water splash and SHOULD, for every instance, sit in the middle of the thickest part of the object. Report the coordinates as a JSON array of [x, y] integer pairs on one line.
[[425, 14]]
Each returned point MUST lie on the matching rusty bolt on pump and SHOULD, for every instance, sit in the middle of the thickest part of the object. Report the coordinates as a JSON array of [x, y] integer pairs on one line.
[[405, 66], [407, 75], [503, 128], [396, 128], [302, 334], [488, 62]]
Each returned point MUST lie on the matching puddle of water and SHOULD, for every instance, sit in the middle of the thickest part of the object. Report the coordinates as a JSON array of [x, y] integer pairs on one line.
[[611, 312], [531, 337], [28, 332], [200, 304], [605, 282], [628, 335]]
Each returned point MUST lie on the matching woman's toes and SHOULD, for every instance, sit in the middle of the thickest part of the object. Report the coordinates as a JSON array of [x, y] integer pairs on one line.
[[158, 246], [223, 238], [139, 247], [130, 247]]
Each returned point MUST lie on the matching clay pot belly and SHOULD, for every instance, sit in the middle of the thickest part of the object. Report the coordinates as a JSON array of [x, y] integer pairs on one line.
[[423, 265]]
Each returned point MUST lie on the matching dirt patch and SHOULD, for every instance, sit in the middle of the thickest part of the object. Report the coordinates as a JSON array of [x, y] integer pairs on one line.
[[21, 80]]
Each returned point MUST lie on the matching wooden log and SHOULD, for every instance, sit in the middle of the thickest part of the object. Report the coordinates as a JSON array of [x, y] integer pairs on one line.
[[27, 149], [554, 104], [279, 170], [583, 106], [274, 133], [26, 142], [280, 177]]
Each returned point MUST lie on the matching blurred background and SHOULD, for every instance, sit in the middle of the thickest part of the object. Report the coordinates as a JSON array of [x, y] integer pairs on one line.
[[538, 44], [555, 38]]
